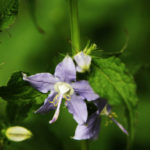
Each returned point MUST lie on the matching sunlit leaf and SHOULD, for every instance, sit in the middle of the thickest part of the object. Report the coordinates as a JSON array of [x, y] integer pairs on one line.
[[111, 80]]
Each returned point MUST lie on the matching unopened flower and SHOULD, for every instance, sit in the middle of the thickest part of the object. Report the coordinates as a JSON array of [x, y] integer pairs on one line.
[[91, 129], [18, 133], [63, 85], [83, 62]]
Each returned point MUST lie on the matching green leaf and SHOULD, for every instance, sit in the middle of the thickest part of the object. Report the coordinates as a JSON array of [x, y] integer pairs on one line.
[[20, 97], [8, 13], [111, 80]]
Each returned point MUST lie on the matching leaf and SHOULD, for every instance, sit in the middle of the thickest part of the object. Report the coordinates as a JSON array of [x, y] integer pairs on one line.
[[17, 88], [8, 13], [111, 80], [20, 97]]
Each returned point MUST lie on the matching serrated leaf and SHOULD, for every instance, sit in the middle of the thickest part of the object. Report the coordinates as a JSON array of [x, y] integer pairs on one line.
[[20, 97], [8, 13], [111, 80]]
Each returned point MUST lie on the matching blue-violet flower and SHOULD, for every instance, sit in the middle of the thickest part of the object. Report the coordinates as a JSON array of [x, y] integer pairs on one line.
[[91, 129], [63, 85]]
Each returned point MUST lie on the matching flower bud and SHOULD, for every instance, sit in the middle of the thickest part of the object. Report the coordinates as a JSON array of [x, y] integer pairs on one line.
[[83, 62], [18, 133]]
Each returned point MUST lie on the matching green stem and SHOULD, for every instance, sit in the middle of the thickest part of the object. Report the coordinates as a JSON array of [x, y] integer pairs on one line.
[[84, 145], [74, 26], [130, 127]]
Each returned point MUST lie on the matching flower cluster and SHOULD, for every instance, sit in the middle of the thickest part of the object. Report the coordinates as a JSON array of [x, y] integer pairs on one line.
[[64, 86]]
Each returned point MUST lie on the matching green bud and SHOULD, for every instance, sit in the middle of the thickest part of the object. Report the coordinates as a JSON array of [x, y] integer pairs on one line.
[[17, 133]]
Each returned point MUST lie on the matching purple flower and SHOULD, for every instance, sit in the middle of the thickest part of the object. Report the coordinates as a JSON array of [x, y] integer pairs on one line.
[[91, 129], [63, 85]]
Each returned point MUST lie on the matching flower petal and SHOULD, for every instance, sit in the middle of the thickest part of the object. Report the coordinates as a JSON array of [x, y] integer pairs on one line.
[[84, 89], [78, 108], [43, 82], [66, 70], [120, 126], [100, 103], [105, 109], [56, 114], [79, 69], [90, 130], [47, 106]]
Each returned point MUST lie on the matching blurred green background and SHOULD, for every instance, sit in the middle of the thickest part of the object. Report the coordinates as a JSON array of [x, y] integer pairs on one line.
[[23, 47]]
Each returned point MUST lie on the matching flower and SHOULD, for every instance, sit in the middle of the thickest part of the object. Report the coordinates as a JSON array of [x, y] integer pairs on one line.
[[63, 85], [83, 62], [17, 133], [91, 129]]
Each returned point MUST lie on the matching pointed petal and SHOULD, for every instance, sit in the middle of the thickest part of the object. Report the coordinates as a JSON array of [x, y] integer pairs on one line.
[[84, 89], [78, 108], [55, 117], [66, 70], [90, 130], [43, 82], [47, 106], [120, 126]]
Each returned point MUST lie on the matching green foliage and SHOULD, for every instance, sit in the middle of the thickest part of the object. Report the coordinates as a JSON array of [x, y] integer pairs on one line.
[[20, 97], [8, 13], [111, 80]]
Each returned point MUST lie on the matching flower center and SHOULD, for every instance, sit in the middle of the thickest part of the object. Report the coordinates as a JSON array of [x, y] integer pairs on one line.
[[63, 88], [65, 91], [104, 111]]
